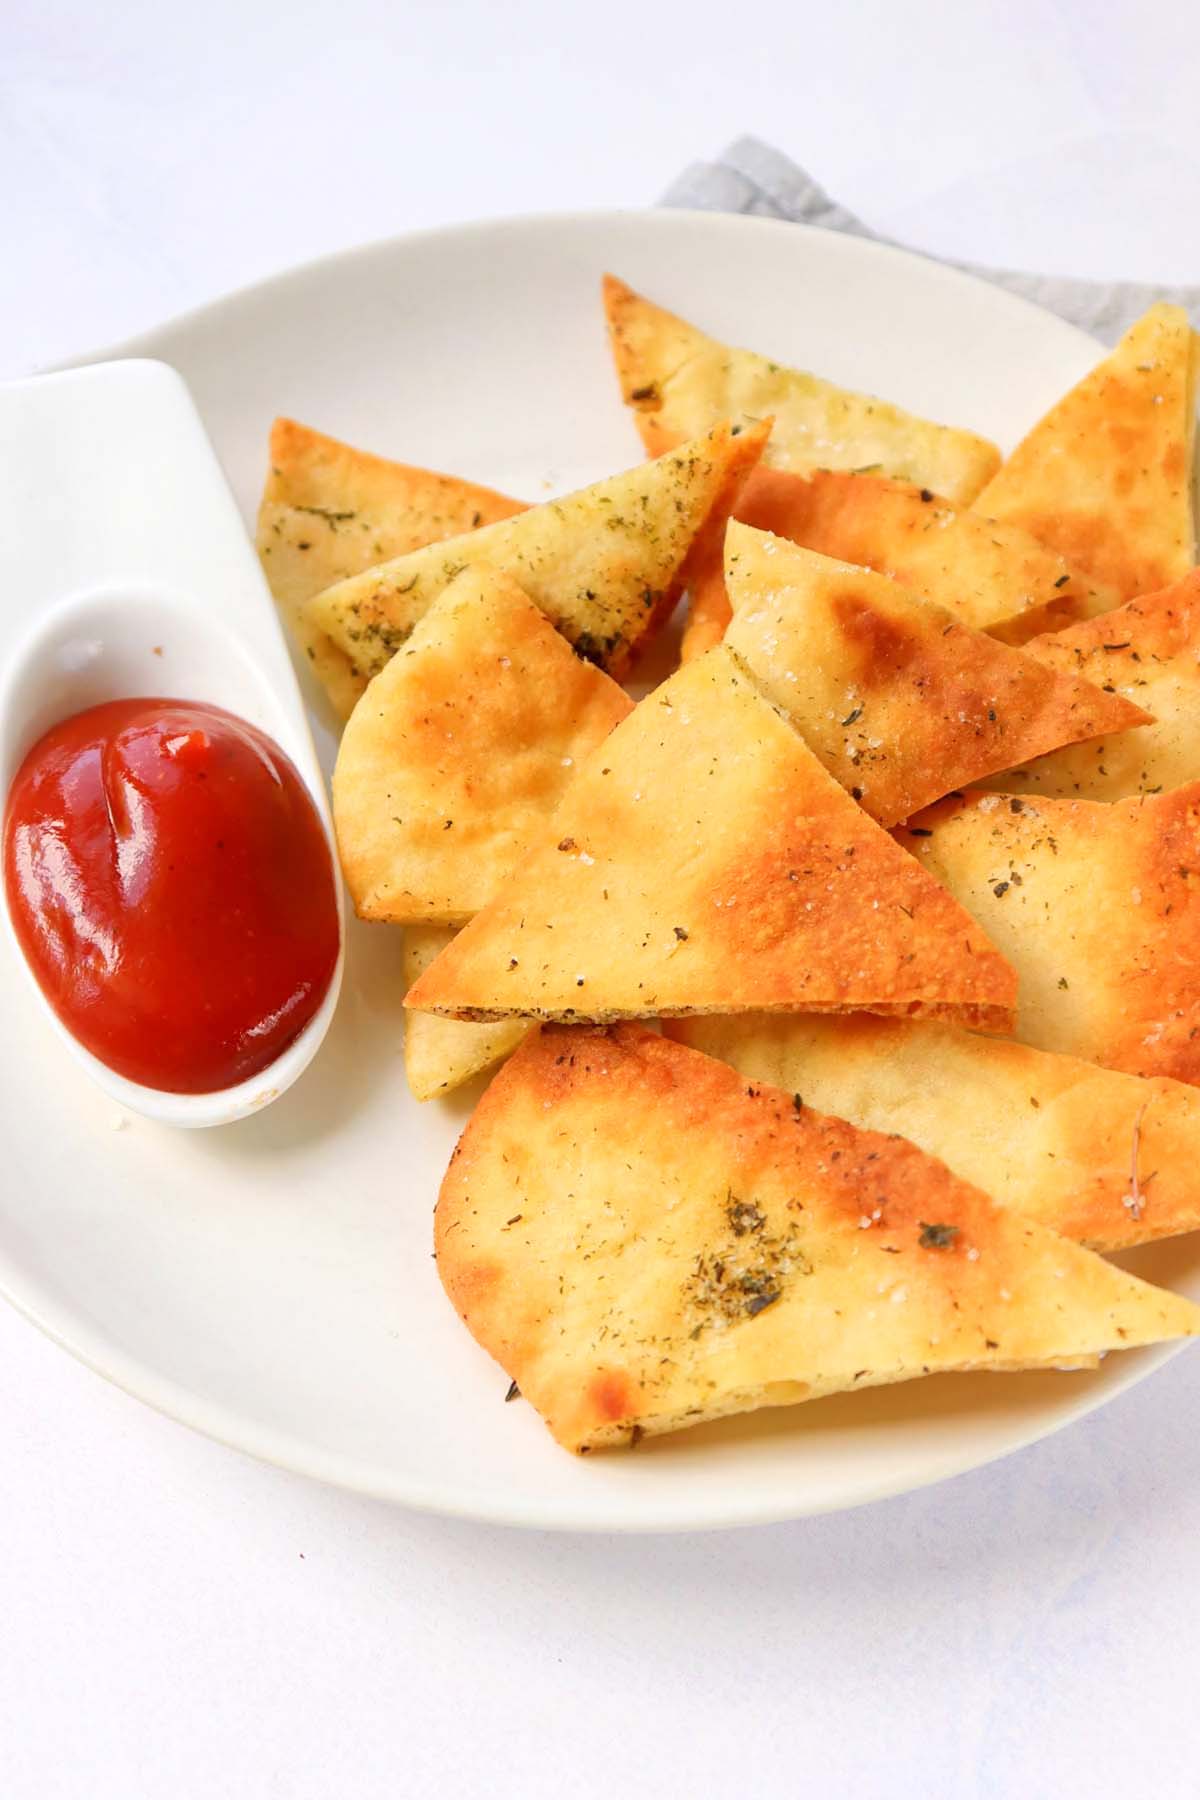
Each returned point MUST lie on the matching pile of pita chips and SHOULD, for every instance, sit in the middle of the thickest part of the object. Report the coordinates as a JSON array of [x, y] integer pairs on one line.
[[993, 577], [1105, 1158], [606, 564], [643, 1242], [1106, 477], [329, 511], [680, 382], [900, 702], [644, 1235], [1096, 906], [703, 861], [460, 750], [1148, 651]]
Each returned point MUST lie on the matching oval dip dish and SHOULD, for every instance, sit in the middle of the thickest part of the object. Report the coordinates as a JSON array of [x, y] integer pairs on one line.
[[137, 580]]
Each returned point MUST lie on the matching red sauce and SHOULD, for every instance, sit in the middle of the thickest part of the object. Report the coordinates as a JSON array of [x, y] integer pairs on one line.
[[171, 886]]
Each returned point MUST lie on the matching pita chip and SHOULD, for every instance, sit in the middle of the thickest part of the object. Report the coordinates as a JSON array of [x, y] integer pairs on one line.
[[1149, 652], [900, 702], [329, 511], [1096, 906], [606, 564], [1106, 477], [440, 1054], [703, 861], [460, 750], [1105, 1158], [680, 382], [643, 1241]]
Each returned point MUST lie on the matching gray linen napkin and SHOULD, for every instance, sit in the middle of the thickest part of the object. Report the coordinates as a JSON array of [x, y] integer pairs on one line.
[[751, 177]]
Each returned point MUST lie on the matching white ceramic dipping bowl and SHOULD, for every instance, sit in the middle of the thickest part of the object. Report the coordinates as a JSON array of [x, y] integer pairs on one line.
[[135, 577]]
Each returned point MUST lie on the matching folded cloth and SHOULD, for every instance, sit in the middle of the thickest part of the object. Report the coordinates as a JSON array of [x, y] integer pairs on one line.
[[751, 177]]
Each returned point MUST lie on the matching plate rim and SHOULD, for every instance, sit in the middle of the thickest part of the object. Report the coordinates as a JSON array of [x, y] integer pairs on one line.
[[954, 274], [290, 1454], [286, 1451]]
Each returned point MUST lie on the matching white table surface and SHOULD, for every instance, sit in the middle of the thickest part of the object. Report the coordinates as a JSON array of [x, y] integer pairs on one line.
[[177, 1621]]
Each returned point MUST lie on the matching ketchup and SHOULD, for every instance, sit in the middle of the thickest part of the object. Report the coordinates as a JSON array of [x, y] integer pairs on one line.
[[171, 886]]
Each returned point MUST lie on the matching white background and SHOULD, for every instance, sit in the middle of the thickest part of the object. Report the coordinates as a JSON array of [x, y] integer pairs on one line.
[[177, 1622]]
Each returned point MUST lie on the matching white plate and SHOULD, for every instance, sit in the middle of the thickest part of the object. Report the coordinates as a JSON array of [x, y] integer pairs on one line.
[[271, 1283]]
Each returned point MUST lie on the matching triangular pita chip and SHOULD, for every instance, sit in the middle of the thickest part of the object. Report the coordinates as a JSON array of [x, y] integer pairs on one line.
[[993, 577], [1149, 651], [460, 750], [606, 564], [642, 1241], [1105, 1158], [329, 511], [440, 1054], [1106, 476], [703, 861], [899, 701], [1097, 907], [680, 382]]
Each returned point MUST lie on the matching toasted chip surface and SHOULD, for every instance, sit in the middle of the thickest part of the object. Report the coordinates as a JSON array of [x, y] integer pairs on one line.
[[988, 575], [1098, 909], [993, 577], [1106, 477], [460, 750], [441, 1054], [708, 612], [643, 1241], [606, 564], [1149, 651], [900, 701], [681, 382], [703, 861], [1102, 1157], [329, 511]]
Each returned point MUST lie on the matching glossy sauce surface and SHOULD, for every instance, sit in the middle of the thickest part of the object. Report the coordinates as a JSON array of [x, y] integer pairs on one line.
[[171, 886]]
